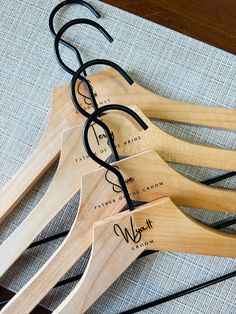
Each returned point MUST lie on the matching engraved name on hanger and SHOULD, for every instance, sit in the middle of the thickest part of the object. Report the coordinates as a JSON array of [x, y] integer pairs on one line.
[[116, 187], [135, 234], [87, 100]]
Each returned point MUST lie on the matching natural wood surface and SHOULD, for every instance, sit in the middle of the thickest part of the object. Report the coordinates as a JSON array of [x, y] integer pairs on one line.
[[158, 225], [210, 21], [72, 165], [156, 180], [109, 87]]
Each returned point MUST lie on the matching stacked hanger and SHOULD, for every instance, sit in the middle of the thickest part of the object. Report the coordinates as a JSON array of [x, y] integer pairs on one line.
[[156, 225]]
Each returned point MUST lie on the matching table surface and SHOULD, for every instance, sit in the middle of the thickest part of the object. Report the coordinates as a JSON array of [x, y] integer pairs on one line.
[[210, 21]]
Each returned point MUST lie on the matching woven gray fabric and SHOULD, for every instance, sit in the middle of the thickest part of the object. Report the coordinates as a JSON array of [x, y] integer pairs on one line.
[[159, 59]]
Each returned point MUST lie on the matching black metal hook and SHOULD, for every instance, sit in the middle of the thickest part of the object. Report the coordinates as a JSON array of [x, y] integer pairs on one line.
[[68, 25], [77, 76], [102, 163], [52, 29]]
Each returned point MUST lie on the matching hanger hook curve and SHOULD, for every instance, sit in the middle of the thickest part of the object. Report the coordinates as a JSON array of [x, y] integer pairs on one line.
[[99, 161], [77, 76], [68, 25], [52, 29]]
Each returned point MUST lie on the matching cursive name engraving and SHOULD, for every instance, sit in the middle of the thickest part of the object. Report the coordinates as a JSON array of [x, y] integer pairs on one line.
[[116, 187], [101, 136], [134, 234], [81, 89]]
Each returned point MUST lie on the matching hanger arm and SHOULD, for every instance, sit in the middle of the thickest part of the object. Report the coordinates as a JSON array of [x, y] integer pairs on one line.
[[42, 158], [161, 226], [106, 264], [183, 112], [157, 179], [44, 280], [65, 184], [170, 148], [175, 150], [30, 228], [175, 231], [111, 89], [74, 246], [25, 178]]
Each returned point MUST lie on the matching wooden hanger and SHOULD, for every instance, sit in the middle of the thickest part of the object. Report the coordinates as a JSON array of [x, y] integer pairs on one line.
[[101, 197], [120, 239], [110, 88], [129, 140]]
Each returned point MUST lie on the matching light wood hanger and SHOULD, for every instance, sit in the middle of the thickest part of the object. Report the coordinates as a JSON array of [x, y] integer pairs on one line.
[[110, 88], [74, 162], [99, 200], [167, 228]]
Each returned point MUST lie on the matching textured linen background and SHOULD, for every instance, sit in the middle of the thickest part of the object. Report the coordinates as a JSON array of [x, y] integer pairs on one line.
[[159, 59]]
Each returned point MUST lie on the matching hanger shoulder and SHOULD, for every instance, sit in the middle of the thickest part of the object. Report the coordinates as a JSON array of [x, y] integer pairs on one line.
[[120, 239], [169, 147], [111, 88], [42, 158], [163, 226], [150, 177]]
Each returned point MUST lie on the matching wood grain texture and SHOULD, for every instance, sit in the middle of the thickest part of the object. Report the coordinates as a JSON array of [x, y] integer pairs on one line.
[[211, 21]]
